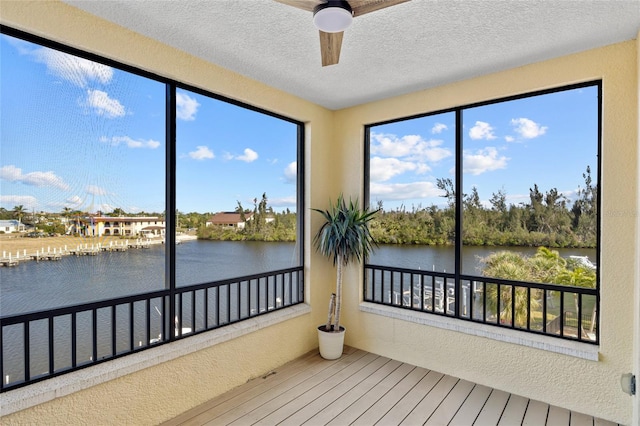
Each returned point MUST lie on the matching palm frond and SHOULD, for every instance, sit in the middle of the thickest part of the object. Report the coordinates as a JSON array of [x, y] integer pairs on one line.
[[345, 231]]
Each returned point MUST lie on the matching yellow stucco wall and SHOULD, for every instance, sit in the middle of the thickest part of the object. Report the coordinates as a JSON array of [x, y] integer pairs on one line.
[[585, 386], [159, 393], [335, 143]]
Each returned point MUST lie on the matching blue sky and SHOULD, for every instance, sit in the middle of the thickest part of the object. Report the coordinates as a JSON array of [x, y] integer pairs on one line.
[[86, 136], [510, 146]]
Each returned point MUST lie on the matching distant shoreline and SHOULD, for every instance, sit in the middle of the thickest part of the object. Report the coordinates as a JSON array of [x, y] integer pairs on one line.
[[19, 248]]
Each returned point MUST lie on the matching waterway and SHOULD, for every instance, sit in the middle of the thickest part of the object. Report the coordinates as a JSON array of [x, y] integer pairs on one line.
[[33, 286]]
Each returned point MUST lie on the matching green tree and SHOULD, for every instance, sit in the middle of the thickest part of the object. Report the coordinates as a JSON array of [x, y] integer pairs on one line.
[[584, 211], [344, 237], [446, 185], [18, 212]]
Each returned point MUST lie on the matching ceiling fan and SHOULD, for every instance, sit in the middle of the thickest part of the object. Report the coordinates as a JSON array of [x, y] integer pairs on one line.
[[332, 17]]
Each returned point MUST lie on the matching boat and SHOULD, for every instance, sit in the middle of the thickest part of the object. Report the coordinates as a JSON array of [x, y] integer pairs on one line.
[[584, 261]]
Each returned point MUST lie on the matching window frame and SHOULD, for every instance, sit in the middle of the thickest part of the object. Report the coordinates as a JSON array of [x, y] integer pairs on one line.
[[369, 305], [174, 293]]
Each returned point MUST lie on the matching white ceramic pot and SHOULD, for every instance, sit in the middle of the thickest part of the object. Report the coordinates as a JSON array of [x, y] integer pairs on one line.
[[330, 343]]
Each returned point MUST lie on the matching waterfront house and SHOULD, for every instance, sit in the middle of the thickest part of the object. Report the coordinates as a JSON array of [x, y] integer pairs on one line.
[[157, 384], [229, 220], [9, 226], [98, 226]]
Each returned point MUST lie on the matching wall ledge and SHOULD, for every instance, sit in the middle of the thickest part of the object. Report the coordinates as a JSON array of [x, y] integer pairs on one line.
[[545, 343], [57, 387]]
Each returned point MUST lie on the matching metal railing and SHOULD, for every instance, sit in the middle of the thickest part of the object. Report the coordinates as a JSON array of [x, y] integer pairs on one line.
[[44, 344], [554, 310]]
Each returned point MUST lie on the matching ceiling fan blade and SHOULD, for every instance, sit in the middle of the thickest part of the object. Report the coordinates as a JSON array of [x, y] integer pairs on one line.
[[307, 5], [330, 45], [360, 7]]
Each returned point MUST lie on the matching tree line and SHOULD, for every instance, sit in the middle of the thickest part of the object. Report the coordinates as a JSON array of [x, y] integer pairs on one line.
[[261, 223], [548, 219]]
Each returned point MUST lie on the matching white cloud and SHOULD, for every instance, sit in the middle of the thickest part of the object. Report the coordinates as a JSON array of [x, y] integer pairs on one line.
[[412, 147], [283, 202], [130, 143], [74, 201], [438, 128], [202, 153], [528, 129], [104, 105], [291, 172], [26, 201], [509, 138], [484, 160], [249, 156], [481, 130], [41, 179], [186, 107], [78, 71], [404, 191], [383, 169], [104, 207], [96, 190]]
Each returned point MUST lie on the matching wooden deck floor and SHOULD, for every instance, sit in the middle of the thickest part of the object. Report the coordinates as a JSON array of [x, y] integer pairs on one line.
[[362, 388]]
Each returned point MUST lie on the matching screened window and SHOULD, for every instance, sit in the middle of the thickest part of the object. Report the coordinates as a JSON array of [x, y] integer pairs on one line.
[[83, 168], [135, 210], [486, 202]]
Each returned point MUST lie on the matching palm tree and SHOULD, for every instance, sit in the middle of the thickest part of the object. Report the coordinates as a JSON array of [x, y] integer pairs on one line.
[[18, 211], [579, 277], [343, 237], [512, 266]]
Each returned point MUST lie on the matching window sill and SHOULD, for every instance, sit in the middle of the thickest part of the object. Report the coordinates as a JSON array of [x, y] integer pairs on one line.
[[48, 390], [545, 343]]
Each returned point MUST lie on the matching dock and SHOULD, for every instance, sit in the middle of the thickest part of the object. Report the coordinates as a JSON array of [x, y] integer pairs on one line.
[[57, 253], [46, 256], [9, 261]]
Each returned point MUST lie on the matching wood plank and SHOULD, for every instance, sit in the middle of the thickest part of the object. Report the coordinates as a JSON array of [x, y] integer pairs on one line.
[[264, 382], [305, 406], [558, 416], [579, 419], [493, 409], [331, 411], [467, 414], [282, 395], [602, 422], [411, 399], [372, 398], [364, 388], [451, 404], [430, 402], [391, 398], [514, 411], [536, 414], [231, 410]]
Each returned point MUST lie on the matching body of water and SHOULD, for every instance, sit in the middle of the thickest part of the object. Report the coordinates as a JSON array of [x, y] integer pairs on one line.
[[33, 286]]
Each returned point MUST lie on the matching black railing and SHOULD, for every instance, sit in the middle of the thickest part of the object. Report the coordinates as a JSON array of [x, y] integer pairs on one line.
[[554, 310], [44, 344]]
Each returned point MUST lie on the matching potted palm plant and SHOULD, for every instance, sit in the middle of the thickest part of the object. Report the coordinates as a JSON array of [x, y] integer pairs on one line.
[[344, 237]]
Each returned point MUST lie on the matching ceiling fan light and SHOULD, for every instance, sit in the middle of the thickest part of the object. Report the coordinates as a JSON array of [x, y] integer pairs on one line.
[[333, 16]]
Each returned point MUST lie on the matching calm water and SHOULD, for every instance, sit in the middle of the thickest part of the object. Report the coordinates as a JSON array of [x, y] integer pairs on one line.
[[34, 286]]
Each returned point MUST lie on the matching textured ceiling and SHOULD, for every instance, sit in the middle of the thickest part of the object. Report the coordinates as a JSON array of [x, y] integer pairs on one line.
[[400, 49]]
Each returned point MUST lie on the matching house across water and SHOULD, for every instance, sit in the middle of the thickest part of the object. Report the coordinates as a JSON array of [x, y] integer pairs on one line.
[[98, 226]]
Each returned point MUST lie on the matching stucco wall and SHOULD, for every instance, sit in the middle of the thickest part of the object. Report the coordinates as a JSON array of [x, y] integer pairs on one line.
[[333, 157], [585, 386], [161, 392], [636, 350]]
